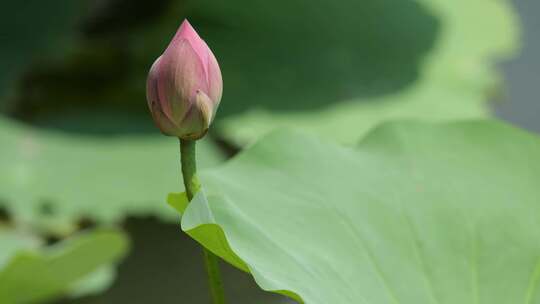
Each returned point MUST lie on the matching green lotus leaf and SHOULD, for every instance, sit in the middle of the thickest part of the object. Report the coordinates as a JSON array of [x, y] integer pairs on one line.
[[338, 68], [417, 213], [33, 273], [51, 180]]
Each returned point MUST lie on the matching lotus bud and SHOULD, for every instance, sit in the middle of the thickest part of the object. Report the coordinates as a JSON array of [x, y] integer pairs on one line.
[[184, 86]]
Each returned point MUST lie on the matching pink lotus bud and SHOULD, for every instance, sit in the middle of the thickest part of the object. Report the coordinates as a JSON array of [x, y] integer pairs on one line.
[[184, 86]]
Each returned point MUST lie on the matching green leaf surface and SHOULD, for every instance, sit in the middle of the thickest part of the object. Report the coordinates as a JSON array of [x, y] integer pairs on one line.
[[336, 68], [11, 242], [52, 180], [417, 213], [94, 283], [178, 201], [340, 67], [35, 274]]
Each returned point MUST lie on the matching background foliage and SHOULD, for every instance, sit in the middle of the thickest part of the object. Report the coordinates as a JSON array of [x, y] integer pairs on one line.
[[79, 150]]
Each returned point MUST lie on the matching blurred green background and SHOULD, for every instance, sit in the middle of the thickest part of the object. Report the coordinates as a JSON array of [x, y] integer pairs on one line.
[[79, 151]]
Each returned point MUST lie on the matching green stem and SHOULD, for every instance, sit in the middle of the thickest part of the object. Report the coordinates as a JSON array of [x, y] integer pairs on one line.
[[192, 185], [189, 167]]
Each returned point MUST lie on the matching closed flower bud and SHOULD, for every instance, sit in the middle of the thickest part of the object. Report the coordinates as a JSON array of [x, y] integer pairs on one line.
[[184, 86]]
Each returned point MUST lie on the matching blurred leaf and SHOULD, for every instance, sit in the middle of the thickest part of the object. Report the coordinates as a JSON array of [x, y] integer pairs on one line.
[[332, 67], [53, 180], [37, 274], [94, 283], [418, 213], [31, 29], [11, 242], [340, 67]]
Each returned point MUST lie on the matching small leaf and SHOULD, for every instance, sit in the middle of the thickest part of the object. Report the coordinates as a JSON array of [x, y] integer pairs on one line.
[[39, 274], [178, 201]]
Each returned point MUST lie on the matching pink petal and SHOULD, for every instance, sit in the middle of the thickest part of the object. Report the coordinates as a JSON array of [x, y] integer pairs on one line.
[[181, 74], [215, 82], [162, 121], [187, 32], [152, 96]]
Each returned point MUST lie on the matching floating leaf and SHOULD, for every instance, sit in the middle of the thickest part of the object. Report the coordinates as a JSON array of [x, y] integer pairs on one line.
[[336, 68], [52, 180], [36, 274], [94, 283], [417, 213], [340, 67], [11, 242]]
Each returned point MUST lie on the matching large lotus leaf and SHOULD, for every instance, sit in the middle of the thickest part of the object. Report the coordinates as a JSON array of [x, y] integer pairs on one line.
[[417, 213], [340, 67], [53, 180], [33, 274], [331, 67]]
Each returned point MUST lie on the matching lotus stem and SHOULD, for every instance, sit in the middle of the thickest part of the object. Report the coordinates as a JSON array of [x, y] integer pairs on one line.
[[192, 185]]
